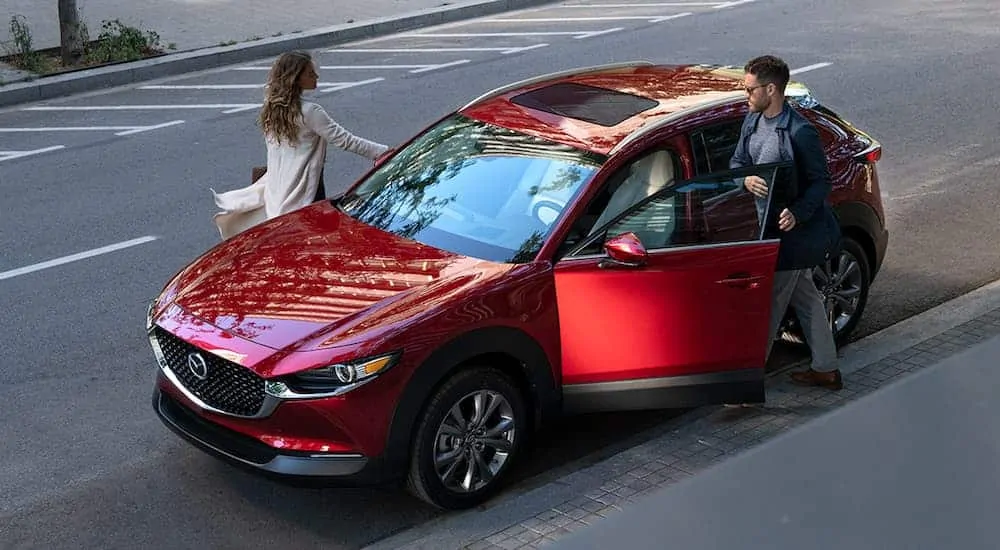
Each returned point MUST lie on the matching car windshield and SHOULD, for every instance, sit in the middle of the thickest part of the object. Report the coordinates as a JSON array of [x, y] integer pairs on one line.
[[474, 189]]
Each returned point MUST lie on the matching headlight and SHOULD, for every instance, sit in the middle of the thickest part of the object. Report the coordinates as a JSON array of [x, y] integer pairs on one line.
[[331, 380], [149, 315]]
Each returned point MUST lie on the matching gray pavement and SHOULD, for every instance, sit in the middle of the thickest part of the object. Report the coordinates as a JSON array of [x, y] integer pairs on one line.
[[871, 467]]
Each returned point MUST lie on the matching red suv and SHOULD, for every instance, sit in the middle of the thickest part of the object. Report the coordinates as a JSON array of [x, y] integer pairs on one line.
[[575, 242]]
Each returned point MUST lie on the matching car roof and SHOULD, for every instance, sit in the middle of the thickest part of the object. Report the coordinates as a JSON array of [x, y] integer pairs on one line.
[[602, 108]]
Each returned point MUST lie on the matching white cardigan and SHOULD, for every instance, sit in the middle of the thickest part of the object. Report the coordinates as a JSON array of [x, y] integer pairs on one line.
[[293, 172]]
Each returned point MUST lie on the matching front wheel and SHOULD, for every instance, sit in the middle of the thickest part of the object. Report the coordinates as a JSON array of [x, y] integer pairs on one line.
[[470, 434], [843, 282]]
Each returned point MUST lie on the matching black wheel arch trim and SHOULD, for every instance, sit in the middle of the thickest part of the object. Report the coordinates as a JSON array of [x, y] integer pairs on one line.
[[857, 216], [430, 374]]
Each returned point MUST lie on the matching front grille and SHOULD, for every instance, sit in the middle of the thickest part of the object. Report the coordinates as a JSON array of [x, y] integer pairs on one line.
[[228, 387]]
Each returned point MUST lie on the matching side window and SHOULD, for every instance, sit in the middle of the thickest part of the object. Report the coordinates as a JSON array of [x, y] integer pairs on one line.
[[648, 174], [711, 209], [713, 146]]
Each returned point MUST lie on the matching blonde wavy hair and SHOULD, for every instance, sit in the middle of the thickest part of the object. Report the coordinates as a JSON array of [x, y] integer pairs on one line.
[[283, 97]]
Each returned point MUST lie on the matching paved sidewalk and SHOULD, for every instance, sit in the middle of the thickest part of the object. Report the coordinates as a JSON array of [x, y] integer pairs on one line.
[[911, 466], [709, 435], [193, 24]]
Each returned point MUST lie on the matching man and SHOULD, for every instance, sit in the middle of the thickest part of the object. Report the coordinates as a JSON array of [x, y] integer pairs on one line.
[[774, 132]]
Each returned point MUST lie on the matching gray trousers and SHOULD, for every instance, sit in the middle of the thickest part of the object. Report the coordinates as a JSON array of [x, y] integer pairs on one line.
[[797, 289]]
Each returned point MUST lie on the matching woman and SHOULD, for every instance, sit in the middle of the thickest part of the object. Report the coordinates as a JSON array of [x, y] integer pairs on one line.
[[297, 134]]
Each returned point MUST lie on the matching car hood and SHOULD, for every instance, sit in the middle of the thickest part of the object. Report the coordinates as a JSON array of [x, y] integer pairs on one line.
[[315, 275]]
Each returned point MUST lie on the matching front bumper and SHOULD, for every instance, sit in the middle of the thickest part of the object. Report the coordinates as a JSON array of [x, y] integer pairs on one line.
[[246, 451]]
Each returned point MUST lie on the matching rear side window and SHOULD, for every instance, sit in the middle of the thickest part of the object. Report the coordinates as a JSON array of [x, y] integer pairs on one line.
[[713, 146]]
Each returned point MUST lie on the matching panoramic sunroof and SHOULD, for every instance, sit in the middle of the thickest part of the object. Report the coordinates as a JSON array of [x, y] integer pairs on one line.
[[587, 103]]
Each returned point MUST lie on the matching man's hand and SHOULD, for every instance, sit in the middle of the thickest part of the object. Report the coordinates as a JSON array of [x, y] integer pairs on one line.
[[756, 185], [786, 221]]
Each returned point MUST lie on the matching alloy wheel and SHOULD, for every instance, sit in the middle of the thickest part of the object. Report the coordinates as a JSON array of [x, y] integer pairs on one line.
[[474, 441], [840, 282]]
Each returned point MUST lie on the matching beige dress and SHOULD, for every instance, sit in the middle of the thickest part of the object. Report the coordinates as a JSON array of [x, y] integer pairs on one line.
[[293, 172]]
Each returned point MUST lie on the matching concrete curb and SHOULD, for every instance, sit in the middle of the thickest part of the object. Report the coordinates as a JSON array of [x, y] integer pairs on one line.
[[207, 58]]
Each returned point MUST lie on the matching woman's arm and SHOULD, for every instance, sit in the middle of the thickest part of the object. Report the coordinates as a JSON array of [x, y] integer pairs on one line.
[[317, 120]]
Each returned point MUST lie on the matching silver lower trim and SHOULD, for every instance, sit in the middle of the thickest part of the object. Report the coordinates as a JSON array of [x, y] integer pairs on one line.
[[743, 375]]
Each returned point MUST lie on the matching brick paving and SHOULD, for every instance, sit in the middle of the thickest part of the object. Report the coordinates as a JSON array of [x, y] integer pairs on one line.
[[713, 434]]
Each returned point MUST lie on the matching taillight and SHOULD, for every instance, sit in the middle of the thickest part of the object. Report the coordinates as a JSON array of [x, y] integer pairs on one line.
[[870, 155]]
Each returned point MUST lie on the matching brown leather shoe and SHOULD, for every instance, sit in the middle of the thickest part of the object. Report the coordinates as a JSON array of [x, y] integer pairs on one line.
[[828, 380]]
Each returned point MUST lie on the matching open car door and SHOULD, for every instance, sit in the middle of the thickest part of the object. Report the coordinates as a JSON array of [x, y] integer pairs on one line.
[[668, 304]]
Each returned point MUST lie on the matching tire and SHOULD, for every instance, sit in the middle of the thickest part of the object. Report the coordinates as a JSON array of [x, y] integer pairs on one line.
[[844, 289], [443, 470]]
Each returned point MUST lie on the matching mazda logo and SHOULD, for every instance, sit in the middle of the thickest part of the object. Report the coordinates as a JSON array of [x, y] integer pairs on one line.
[[197, 366]]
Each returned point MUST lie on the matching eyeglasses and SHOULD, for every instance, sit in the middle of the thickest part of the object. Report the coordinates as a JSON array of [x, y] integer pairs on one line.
[[750, 89]]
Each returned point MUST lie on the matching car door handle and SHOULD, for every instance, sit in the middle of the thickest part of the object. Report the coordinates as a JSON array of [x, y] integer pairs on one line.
[[742, 280]]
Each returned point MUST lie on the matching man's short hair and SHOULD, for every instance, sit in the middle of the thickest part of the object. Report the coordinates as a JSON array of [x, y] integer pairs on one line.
[[769, 70]]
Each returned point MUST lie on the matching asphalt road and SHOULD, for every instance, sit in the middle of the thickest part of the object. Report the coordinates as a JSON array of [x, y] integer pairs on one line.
[[85, 462]]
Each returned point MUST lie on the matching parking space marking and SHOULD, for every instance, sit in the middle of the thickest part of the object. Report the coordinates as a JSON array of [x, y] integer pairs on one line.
[[119, 130], [414, 68], [335, 86], [504, 51], [574, 34], [140, 129], [648, 5], [11, 155], [75, 257], [808, 68], [650, 18], [141, 107], [211, 86], [731, 4]]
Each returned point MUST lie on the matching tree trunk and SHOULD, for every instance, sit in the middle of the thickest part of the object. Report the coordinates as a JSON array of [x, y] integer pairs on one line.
[[70, 37]]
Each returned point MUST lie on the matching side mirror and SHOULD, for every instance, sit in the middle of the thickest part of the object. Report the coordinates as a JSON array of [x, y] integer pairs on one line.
[[625, 250]]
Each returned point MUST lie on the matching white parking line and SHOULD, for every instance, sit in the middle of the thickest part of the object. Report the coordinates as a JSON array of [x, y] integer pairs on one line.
[[322, 85], [650, 18], [415, 68], [731, 4], [141, 129], [808, 68], [141, 107], [504, 51], [119, 130], [649, 5], [209, 86], [574, 34], [11, 155], [441, 66], [75, 257], [334, 86]]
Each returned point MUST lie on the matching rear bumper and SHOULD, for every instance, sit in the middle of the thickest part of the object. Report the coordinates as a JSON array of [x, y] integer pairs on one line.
[[250, 453]]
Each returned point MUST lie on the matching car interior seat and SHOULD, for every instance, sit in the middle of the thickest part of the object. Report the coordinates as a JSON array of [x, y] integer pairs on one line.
[[647, 176]]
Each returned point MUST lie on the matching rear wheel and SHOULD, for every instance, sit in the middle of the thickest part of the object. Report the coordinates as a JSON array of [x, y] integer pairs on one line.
[[843, 282], [470, 434]]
